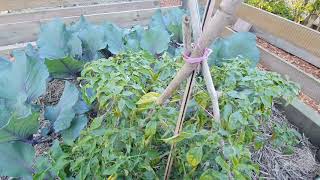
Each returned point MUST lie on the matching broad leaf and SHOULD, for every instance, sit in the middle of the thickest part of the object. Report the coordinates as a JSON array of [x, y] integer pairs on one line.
[[52, 40], [68, 116], [93, 40], [21, 82], [241, 45], [65, 67], [170, 20], [77, 124], [155, 40], [178, 138], [5, 113], [63, 113], [148, 98], [16, 159], [194, 156], [157, 20], [114, 37], [55, 42], [75, 46], [133, 38], [79, 25], [173, 22], [20, 129]]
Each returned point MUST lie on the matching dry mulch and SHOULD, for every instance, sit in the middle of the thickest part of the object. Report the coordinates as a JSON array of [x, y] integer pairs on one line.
[[301, 164], [296, 61], [309, 101], [166, 3]]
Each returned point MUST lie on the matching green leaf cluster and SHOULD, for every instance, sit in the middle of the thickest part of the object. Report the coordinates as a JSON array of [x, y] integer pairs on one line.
[[22, 82], [68, 116], [295, 10], [66, 48], [131, 136], [171, 21]]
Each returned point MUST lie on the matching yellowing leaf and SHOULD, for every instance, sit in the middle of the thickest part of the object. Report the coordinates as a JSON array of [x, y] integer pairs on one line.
[[148, 98], [178, 138], [113, 177], [194, 156]]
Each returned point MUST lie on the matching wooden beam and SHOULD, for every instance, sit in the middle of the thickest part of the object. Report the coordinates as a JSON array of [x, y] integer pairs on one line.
[[27, 4], [297, 34], [287, 46], [27, 31], [76, 11]]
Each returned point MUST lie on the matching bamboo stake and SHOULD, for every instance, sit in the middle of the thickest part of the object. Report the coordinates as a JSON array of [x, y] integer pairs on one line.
[[195, 18], [211, 31], [186, 29], [209, 11], [206, 69]]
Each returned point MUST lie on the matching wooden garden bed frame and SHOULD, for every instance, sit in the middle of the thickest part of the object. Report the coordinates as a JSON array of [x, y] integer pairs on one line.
[[18, 29]]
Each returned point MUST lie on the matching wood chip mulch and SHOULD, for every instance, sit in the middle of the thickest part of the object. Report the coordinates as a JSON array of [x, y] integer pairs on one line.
[[309, 101], [166, 3], [296, 61]]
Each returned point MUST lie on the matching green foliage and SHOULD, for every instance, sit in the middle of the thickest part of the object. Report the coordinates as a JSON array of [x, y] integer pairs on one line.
[[131, 136], [171, 21], [238, 45], [295, 10], [285, 138], [20, 128], [55, 42], [118, 83], [16, 159], [155, 40], [114, 36], [64, 67], [68, 115], [22, 81], [278, 7], [65, 48], [133, 38]]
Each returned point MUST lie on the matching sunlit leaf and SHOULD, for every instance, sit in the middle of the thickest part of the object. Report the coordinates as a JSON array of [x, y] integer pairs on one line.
[[194, 156]]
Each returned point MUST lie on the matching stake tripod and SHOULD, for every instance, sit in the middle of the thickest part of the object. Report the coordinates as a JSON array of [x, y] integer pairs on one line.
[[212, 26]]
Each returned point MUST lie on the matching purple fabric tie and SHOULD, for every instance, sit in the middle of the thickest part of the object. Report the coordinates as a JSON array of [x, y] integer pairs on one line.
[[205, 56]]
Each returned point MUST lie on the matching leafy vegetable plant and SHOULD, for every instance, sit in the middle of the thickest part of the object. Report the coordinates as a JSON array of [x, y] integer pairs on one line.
[[131, 136], [66, 48], [122, 72]]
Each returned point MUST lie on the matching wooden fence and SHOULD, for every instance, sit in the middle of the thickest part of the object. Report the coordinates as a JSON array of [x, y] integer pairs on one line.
[[24, 27]]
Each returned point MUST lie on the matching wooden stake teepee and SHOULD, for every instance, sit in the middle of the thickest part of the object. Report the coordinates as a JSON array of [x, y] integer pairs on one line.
[[211, 29]]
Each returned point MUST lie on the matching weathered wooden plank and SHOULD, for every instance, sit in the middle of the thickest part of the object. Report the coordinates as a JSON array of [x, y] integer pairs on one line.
[[297, 34], [123, 19], [288, 47], [26, 4], [5, 51], [76, 11], [27, 31]]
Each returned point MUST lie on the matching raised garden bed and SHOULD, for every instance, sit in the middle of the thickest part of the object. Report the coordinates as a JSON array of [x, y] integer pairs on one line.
[[111, 102]]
